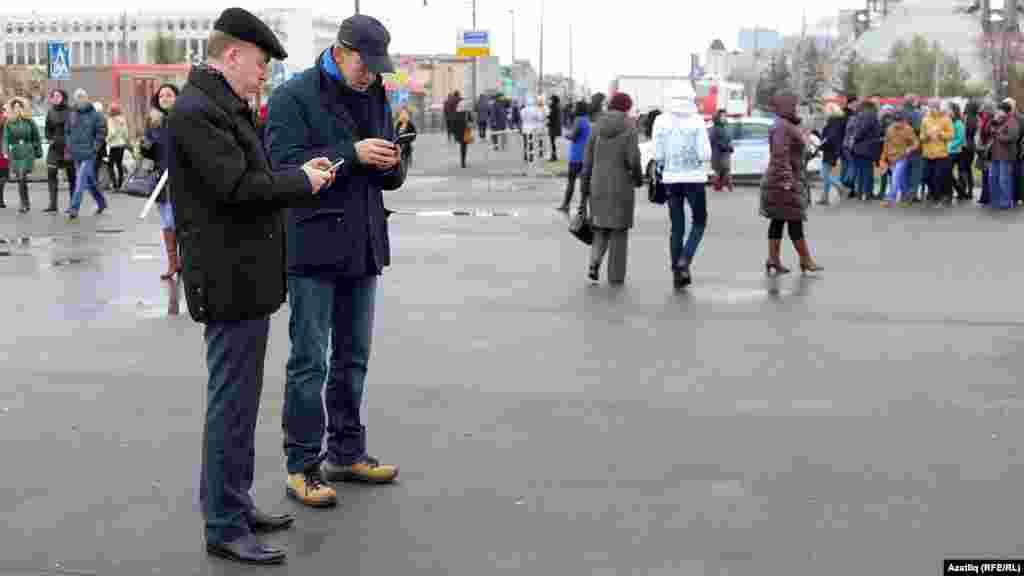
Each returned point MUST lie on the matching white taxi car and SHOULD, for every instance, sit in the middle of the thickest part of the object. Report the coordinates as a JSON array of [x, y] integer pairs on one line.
[[750, 148]]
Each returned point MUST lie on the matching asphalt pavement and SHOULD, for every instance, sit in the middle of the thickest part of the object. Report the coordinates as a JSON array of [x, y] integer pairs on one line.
[[861, 421]]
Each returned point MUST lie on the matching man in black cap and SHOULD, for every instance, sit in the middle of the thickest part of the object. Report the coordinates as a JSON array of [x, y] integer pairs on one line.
[[227, 203], [336, 251]]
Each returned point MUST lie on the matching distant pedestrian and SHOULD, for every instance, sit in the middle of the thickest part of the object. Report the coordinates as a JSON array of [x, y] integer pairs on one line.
[[1005, 133], [866, 148], [596, 106], [956, 149], [483, 115], [462, 126], [24, 146], [499, 123], [901, 144], [683, 152], [117, 141], [783, 198], [533, 131], [916, 162], [578, 136], [611, 173], [846, 176], [228, 205], [985, 139], [967, 156], [516, 116], [58, 156], [86, 134], [554, 124], [721, 152], [831, 149], [405, 126], [5, 163], [156, 148], [936, 136]]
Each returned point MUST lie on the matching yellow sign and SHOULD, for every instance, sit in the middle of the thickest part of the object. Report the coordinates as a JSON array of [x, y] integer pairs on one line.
[[471, 52]]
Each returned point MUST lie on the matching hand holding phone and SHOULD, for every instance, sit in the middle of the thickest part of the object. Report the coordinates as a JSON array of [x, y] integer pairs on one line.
[[336, 165], [405, 139]]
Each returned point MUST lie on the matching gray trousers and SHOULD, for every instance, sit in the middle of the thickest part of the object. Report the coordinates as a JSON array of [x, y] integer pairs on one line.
[[615, 242]]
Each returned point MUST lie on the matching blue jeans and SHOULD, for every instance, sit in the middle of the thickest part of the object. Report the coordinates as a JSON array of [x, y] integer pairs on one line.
[[86, 179], [1001, 184], [828, 179], [864, 175], [914, 173], [235, 352], [897, 189], [678, 195], [330, 328], [846, 172]]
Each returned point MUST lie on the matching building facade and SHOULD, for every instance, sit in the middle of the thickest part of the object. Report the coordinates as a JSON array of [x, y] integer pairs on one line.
[[123, 38]]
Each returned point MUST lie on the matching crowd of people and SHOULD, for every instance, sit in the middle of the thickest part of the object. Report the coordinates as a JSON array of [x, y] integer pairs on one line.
[[922, 151]]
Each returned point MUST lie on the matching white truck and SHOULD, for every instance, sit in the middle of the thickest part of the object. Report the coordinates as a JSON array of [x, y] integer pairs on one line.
[[648, 91]]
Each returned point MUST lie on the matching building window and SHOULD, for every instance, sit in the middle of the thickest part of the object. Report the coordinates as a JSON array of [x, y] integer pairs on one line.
[[135, 26], [111, 55], [76, 53], [170, 26], [31, 53], [206, 25], [88, 26], [31, 27], [65, 27], [182, 47], [20, 60], [44, 54], [21, 28], [181, 25], [53, 27], [99, 54], [133, 52], [193, 46], [10, 29], [204, 49], [87, 56], [9, 51]]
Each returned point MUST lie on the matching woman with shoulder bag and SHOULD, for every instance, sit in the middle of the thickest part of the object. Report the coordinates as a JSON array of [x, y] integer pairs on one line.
[[24, 146], [156, 138], [4, 162], [611, 172]]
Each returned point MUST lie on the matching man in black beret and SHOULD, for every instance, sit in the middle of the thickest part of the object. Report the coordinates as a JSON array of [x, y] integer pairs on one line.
[[227, 204], [336, 250]]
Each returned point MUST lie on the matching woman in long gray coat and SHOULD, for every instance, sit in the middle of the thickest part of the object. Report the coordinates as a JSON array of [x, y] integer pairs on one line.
[[611, 172], [784, 199]]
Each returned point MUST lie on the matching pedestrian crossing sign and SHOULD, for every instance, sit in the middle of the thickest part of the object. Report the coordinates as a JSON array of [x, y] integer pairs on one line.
[[59, 62]]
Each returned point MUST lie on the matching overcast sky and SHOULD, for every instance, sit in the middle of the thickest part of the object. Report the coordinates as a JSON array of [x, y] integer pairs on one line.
[[637, 36]]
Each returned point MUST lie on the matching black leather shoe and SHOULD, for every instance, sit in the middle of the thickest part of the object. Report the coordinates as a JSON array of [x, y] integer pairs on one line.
[[260, 521], [248, 550], [50, 210]]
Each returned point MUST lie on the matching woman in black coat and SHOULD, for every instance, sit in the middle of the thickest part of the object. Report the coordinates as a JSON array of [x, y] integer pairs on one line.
[[554, 125]]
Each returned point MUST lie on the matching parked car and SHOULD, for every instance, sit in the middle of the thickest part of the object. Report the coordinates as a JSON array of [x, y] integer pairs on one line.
[[750, 148]]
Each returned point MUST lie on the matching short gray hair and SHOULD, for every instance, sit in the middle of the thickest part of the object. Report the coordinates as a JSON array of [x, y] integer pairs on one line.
[[80, 93]]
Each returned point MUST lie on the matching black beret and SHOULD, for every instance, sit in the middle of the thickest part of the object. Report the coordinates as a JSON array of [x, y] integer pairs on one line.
[[245, 26]]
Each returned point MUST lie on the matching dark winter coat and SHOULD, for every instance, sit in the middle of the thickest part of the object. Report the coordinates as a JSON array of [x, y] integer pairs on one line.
[[23, 144], [782, 194], [499, 115], [832, 136], [56, 119], [721, 146], [345, 233], [228, 203], [868, 138], [86, 133], [554, 117], [611, 172], [1006, 133]]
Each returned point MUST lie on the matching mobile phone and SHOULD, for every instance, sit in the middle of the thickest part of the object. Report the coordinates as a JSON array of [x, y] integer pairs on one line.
[[405, 139], [337, 164]]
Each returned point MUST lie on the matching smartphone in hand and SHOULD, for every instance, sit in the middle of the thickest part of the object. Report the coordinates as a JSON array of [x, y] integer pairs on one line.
[[337, 164]]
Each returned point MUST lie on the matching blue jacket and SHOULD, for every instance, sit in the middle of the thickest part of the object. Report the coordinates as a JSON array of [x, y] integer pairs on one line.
[[343, 231], [579, 135], [85, 133]]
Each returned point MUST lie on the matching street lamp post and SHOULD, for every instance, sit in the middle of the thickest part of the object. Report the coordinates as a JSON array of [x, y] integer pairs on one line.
[[357, 6]]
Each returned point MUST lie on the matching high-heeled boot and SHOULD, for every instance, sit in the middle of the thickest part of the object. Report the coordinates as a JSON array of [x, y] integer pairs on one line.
[[807, 263], [773, 266], [173, 266]]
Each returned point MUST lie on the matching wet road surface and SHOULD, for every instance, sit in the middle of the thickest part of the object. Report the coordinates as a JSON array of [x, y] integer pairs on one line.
[[545, 425]]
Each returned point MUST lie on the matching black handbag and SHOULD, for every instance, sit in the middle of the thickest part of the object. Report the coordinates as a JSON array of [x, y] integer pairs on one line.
[[141, 184], [580, 227], [657, 193]]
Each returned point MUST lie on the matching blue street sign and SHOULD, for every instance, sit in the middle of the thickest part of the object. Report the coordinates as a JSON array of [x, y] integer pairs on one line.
[[59, 67]]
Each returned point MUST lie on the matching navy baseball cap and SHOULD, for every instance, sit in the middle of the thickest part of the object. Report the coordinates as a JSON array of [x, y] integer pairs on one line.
[[370, 38]]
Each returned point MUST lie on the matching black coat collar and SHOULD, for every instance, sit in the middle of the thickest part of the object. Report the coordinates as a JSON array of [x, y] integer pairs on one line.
[[212, 83]]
